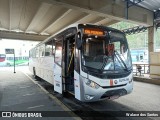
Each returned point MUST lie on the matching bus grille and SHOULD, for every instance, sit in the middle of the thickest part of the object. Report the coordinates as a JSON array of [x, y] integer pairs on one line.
[[119, 92], [113, 86]]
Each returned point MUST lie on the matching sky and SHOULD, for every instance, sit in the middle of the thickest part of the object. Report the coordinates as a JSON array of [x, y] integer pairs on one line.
[[18, 45], [7, 43]]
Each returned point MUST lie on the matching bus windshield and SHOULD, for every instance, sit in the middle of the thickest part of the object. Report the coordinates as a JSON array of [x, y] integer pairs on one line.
[[106, 53]]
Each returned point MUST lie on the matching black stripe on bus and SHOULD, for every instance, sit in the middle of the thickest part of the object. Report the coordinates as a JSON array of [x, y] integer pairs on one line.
[[114, 86]]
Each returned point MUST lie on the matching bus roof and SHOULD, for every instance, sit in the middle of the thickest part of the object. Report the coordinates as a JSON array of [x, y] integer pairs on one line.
[[76, 25]]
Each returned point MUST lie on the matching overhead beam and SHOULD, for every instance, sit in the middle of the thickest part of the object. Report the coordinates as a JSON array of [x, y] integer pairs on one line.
[[111, 22], [101, 21], [86, 16], [69, 22], [55, 20], [114, 9], [62, 26], [10, 13], [106, 22], [22, 36], [90, 18], [44, 7], [97, 19]]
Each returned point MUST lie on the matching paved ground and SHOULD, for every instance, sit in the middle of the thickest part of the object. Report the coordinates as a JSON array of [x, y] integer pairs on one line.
[[19, 93], [145, 97]]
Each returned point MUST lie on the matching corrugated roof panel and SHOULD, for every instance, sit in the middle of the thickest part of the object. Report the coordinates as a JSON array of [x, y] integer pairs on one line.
[[150, 4]]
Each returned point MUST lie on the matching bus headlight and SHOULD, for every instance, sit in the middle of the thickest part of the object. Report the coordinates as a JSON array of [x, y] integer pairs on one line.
[[130, 81], [91, 84]]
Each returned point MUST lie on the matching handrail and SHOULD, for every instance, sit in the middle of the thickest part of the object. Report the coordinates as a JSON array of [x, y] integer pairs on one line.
[[144, 69], [141, 68]]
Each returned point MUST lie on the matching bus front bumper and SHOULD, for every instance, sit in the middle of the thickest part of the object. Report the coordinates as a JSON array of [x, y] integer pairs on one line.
[[90, 94]]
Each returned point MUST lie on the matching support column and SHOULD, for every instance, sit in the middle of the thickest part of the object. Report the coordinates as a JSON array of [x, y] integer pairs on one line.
[[151, 32]]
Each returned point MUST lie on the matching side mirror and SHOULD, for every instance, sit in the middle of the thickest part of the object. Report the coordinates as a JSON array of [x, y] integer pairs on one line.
[[79, 43]]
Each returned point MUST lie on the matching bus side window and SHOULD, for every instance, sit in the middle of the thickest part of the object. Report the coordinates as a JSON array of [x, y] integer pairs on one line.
[[48, 48], [31, 53], [53, 47], [58, 52], [34, 53], [41, 50], [37, 52]]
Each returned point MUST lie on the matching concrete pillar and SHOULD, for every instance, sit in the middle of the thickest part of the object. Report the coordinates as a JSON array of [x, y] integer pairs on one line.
[[151, 32]]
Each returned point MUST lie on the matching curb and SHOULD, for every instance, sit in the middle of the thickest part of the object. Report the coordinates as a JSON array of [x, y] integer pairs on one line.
[[55, 99], [147, 80]]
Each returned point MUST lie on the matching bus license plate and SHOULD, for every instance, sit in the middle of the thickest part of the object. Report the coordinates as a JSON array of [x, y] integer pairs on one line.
[[114, 97]]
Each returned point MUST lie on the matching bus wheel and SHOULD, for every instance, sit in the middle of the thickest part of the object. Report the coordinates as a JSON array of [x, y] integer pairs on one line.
[[34, 73]]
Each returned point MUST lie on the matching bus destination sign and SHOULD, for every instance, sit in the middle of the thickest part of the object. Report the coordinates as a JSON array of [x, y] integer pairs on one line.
[[93, 32]]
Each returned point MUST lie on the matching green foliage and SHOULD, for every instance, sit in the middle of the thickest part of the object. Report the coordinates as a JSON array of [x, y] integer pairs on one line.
[[140, 40], [123, 25], [157, 39]]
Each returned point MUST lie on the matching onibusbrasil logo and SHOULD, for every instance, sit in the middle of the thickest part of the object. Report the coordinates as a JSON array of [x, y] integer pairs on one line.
[[21, 114]]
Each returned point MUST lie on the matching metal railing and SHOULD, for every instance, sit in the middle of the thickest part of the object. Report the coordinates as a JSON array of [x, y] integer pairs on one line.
[[140, 69]]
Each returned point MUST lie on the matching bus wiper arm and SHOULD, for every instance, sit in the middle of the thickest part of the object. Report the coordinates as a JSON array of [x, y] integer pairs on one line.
[[104, 62], [117, 54]]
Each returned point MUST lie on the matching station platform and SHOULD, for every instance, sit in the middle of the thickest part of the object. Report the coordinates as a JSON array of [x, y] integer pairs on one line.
[[19, 93], [147, 79]]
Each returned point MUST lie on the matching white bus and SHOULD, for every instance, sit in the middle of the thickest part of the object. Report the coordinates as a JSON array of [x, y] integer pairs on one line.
[[89, 61]]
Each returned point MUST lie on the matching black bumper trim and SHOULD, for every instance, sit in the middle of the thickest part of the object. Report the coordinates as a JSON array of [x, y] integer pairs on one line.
[[114, 86]]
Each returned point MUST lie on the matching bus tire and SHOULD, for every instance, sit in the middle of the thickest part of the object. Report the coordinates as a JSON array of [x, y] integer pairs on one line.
[[34, 73]]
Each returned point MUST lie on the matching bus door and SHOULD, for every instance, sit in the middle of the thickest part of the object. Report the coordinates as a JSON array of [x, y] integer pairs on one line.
[[68, 64], [57, 67]]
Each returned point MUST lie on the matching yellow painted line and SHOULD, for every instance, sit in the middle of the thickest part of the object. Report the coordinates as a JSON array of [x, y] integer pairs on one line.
[[35, 107], [55, 99], [25, 87], [28, 94]]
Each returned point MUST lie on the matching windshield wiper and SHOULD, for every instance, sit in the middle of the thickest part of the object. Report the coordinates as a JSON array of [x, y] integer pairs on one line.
[[105, 59], [117, 54]]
